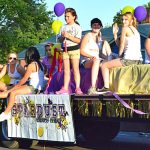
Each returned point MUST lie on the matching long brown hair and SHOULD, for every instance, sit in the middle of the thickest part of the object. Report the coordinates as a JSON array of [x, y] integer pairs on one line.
[[73, 13]]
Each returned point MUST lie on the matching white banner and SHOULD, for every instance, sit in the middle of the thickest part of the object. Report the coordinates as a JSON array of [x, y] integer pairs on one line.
[[42, 117]]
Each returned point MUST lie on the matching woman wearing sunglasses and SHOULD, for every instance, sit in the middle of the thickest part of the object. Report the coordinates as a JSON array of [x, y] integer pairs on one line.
[[35, 75], [14, 71]]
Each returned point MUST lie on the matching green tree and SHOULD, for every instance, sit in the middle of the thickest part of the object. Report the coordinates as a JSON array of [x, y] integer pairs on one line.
[[23, 23], [147, 6], [117, 18]]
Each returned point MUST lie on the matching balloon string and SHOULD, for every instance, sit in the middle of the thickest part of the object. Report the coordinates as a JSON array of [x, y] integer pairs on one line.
[[60, 62], [57, 29]]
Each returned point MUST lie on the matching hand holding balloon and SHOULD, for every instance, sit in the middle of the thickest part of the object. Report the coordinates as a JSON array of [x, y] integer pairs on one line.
[[65, 34]]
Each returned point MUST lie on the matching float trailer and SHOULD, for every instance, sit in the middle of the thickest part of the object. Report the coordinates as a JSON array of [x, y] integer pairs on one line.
[[96, 117]]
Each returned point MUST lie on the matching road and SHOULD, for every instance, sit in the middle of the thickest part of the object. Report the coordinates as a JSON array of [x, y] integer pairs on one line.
[[123, 141]]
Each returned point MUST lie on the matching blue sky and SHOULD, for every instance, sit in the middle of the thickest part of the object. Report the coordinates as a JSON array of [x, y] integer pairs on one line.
[[89, 9]]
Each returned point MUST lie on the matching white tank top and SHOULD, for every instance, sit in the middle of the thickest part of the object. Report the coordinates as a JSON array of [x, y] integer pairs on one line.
[[132, 50], [15, 76], [92, 48], [147, 58], [37, 79]]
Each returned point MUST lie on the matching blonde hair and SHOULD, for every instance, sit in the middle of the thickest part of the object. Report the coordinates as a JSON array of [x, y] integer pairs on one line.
[[12, 53], [131, 17]]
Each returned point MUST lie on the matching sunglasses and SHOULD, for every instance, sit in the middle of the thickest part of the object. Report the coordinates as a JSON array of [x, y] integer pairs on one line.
[[14, 58]]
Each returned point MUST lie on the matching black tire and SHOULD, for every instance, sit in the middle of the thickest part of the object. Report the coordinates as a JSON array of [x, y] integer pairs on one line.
[[5, 141], [13, 143], [10, 144], [27, 143], [97, 131]]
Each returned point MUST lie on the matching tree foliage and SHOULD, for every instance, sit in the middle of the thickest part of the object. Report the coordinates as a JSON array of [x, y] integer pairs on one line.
[[117, 18], [147, 6], [23, 23]]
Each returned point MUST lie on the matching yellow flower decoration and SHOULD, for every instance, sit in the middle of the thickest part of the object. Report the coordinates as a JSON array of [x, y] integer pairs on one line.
[[40, 131]]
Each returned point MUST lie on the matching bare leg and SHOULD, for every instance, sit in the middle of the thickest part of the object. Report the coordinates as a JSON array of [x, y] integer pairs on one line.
[[94, 66], [94, 71], [106, 67], [3, 86], [75, 67], [66, 73], [22, 90]]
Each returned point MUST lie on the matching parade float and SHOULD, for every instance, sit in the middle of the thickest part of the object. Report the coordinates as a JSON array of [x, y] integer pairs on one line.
[[65, 118]]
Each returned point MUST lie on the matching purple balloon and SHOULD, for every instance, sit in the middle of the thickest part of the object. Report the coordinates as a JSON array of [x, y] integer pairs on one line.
[[140, 13], [59, 9]]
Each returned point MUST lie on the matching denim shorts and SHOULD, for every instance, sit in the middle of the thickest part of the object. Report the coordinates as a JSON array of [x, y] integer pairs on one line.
[[35, 91], [126, 62], [85, 61]]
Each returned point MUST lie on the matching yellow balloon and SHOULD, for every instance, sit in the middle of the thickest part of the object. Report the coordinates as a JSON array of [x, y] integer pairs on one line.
[[127, 9], [56, 25], [5, 79], [57, 45]]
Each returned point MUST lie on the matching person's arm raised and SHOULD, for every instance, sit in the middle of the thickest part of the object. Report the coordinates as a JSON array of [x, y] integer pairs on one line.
[[115, 32], [122, 41]]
